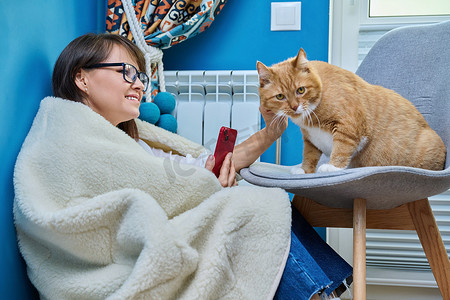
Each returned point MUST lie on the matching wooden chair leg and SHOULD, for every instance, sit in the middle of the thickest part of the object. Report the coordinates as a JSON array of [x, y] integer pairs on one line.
[[432, 244], [359, 249]]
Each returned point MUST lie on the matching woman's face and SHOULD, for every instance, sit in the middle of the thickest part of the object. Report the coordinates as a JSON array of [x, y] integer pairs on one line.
[[108, 93]]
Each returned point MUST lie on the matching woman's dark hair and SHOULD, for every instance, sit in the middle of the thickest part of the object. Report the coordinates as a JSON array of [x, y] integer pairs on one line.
[[85, 51]]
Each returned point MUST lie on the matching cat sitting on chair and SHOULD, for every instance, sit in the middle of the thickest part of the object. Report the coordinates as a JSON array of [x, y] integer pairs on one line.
[[354, 123]]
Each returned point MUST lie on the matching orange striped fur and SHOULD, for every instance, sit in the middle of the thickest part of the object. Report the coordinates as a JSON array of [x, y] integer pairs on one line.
[[355, 123]]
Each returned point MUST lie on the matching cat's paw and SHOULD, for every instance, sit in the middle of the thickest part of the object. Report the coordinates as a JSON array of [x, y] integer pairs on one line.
[[297, 169], [328, 168]]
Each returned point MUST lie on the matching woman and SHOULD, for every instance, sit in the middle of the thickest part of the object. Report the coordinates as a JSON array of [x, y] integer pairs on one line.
[[99, 217]]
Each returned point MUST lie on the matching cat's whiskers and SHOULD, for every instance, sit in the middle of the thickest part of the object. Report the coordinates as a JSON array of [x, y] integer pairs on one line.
[[305, 118], [307, 113], [283, 118], [310, 118], [278, 119], [303, 115], [318, 121]]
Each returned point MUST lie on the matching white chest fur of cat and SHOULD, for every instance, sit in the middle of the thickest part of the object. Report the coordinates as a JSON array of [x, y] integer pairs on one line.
[[323, 140]]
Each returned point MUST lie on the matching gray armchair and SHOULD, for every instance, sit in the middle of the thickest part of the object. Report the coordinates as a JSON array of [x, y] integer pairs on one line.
[[415, 62]]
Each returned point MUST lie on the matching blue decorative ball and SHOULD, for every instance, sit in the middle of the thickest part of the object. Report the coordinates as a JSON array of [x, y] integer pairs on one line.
[[168, 122], [149, 112], [165, 101]]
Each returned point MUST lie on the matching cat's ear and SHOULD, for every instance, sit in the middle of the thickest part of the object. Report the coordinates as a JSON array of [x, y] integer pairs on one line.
[[300, 62], [264, 74]]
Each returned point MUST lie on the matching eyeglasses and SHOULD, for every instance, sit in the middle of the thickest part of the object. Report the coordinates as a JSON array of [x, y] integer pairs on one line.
[[130, 73]]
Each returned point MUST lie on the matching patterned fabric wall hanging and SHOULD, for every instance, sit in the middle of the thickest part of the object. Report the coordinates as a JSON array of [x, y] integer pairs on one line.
[[164, 23]]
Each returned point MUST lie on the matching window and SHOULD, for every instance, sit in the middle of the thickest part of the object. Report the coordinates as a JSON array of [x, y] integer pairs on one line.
[[356, 24], [399, 8], [376, 17]]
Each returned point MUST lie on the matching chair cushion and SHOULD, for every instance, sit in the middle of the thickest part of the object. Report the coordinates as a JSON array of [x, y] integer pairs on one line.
[[382, 187]]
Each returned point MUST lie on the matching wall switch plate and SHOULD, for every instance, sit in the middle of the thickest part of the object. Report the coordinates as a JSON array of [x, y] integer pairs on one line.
[[285, 16]]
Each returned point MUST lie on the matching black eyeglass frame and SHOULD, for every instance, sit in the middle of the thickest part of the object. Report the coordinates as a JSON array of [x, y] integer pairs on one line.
[[138, 74]]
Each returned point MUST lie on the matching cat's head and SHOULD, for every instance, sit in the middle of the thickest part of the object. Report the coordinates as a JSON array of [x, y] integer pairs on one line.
[[290, 88]]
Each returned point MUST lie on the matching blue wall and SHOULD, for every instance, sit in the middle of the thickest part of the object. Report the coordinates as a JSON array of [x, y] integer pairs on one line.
[[240, 36], [33, 35]]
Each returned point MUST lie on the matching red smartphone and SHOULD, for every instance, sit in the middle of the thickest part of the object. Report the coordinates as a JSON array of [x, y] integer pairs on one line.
[[225, 144]]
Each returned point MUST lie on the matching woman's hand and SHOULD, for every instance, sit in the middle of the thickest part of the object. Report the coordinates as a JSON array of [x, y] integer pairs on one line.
[[275, 125], [227, 174]]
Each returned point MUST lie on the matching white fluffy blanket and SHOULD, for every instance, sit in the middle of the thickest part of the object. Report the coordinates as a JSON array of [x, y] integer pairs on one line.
[[98, 217]]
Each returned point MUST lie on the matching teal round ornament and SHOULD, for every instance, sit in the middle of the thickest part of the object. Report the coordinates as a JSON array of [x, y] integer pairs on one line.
[[168, 122], [165, 101], [149, 112]]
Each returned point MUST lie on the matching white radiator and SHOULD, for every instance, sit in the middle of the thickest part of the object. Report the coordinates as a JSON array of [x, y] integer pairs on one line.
[[208, 100]]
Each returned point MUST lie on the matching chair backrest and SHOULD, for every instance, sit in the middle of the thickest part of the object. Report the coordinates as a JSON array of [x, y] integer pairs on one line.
[[415, 62]]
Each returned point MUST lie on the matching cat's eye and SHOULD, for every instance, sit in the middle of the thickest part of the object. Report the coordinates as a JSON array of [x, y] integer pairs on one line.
[[301, 90], [279, 96]]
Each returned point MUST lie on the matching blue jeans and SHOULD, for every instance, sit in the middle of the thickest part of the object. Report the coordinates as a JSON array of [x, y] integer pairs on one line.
[[312, 266]]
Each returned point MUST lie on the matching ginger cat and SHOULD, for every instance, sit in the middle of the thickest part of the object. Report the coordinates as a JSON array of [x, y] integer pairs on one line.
[[354, 123]]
